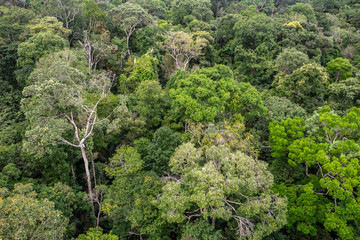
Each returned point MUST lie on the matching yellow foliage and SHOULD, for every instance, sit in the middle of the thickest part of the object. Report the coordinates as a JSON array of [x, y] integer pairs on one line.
[[294, 24]]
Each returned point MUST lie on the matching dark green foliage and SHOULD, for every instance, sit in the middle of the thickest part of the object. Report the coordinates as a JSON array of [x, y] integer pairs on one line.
[[172, 119], [160, 149]]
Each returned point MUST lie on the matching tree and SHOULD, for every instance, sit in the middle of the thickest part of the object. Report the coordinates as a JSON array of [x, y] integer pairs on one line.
[[183, 47], [254, 48], [71, 203], [129, 17], [305, 9], [92, 14], [210, 94], [217, 184], [339, 69], [261, 5], [160, 149], [57, 109], [256, 30], [97, 233], [184, 11], [23, 216], [64, 10], [326, 145], [290, 59], [304, 86], [96, 47], [145, 68], [151, 102], [130, 199], [229, 133], [47, 36], [344, 94]]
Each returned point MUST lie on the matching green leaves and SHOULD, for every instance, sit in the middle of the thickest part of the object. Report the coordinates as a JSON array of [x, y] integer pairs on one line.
[[216, 183], [329, 149], [304, 86], [23, 216], [209, 94], [339, 69]]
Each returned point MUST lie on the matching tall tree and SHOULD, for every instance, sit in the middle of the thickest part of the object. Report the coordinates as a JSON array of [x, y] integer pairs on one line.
[[217, 184], [60, 112], [65, 10], [183, 47], [129, 17]]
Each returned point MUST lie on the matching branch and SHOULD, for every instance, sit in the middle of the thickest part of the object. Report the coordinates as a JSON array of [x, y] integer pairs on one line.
[[69, 143], [71, 120]]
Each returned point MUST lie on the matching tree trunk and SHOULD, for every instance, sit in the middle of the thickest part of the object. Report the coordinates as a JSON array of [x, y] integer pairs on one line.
[[127, 43], [88, 177]]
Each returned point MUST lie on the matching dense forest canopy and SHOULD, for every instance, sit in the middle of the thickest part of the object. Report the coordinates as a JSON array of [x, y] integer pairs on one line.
[[180, 119]]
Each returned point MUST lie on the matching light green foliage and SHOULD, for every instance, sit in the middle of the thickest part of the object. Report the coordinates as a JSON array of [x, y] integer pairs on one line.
[[39, 45], [290, 59], [281, 137], [67, 65], [202, 95], [39, 103], [97, 234], [22, 216], [17, 15], [145, 68], [304, 86], [328, 148], [47, 36], [305, 209], [339, 69], [126, 161], [215, 183], [184, 47], [47, 24], [210, 93], [230, 133]]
